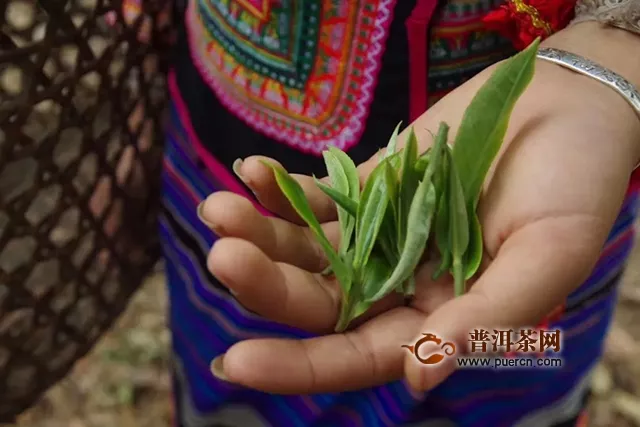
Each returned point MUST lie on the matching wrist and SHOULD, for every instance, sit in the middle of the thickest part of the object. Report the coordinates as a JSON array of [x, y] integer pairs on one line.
[[608, 46], [611, 48]]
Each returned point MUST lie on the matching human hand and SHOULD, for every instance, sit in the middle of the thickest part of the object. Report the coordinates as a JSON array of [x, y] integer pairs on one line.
[[548, 206]]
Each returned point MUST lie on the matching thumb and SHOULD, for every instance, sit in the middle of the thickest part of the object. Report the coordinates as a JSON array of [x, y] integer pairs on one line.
[[536, 268]]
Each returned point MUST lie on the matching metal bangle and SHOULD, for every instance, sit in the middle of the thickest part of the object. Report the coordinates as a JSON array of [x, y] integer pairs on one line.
[[591, 69]]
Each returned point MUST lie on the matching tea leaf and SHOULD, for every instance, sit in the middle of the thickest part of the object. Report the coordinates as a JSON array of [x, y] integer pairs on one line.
[[484, 123], [422, 162], [346, 312], [336, 172], [442, 222], [419, 222], [344, 202], [392, 189], [371, 212], [473, 255], [445, 264], [376, 273], [353, 179], [350, 171], [349, 299], [340, 183], [295, 194], [393, 141], [437, 151], [441, 174], [458, 227], [415, 243], [409, 287], [434, 160], [409, 179], [387, 238]]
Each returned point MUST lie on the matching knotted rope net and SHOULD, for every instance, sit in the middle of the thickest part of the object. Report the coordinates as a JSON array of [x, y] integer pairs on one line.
[[82, 95]]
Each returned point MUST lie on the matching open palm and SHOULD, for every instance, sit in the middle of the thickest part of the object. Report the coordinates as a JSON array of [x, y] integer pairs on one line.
[[546, 211]]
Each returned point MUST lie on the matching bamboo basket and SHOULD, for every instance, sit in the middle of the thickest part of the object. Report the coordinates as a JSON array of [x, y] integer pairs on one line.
[[82, 96]]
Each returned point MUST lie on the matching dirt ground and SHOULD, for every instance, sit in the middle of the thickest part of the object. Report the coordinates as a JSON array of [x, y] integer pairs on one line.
[[124, 381]]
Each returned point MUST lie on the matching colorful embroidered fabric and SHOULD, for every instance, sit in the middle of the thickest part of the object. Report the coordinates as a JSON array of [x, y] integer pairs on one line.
[[302, 72]]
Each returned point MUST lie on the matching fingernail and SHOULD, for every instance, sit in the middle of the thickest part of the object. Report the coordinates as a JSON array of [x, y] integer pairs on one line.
[[199, 212], [237, 165], [217, 368]]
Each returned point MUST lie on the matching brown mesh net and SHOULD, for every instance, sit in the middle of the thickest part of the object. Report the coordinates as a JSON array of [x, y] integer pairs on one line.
[[81, 101]]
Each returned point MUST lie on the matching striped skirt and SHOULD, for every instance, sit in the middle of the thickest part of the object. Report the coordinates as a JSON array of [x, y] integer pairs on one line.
[[205, 320]]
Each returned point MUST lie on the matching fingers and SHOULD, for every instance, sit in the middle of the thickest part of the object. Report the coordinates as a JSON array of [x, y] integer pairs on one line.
[[260, 179], [280, 292], [368, 356], [231, 215], [533, 272]]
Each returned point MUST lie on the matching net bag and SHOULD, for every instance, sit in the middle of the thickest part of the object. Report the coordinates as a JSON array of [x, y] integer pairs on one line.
[[82, 96]]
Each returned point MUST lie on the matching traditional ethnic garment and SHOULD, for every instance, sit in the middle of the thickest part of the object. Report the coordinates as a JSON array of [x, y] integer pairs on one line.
[[286, 78]]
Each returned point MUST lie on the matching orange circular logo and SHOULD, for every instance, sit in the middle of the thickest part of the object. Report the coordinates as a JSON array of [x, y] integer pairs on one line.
[[434, 358]]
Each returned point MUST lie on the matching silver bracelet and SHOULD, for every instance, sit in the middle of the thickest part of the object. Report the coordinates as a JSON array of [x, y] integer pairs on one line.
[[591, 69]]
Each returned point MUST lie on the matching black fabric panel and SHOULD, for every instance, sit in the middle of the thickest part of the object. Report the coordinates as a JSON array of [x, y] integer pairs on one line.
[[228, 138]]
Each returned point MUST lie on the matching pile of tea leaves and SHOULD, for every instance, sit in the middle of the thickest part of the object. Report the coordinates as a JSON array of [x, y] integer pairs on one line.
[[412, 198]]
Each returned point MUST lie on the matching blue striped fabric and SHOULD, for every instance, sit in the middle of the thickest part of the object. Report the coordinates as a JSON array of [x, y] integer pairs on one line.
[[206, 320]]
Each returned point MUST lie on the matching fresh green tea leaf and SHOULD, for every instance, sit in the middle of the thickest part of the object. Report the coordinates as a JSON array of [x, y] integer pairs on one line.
[[422, 162], [387, 238], [393, 141], [441, 174], [437, 152], [485, 120], [394, 160], [377, 271], [371, 212], [344, 202], [409, 179], [458, 227], [353, 178], [350, 170], [442, 221], [295, 194], [473, 255], [392, 190], [349, 299], [336, 172], [340, 183], [409, 288], [420, 218], [445, 264], [347, 307]]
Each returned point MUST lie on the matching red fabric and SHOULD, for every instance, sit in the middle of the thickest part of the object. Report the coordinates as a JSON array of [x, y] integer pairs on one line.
[[517, 25], [417, 33], [634, 184]]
